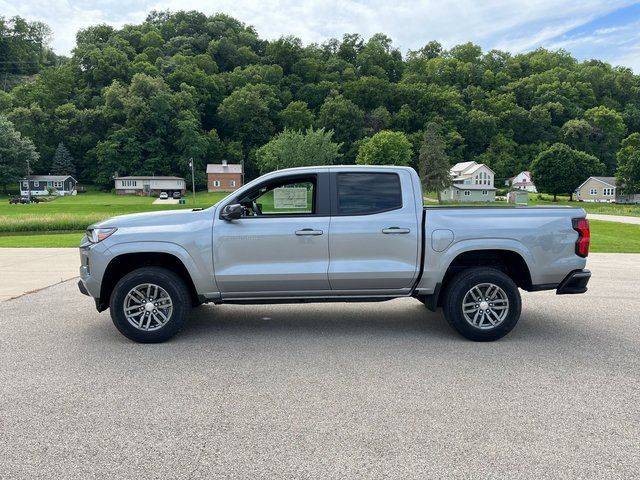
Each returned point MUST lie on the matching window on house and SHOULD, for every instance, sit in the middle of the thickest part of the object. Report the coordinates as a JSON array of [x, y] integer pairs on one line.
[[216, 183], [57, 184], [36, 184], [25, 184], [593, 191], [467, 193], [608, 192], [232, 183], [484, 192]]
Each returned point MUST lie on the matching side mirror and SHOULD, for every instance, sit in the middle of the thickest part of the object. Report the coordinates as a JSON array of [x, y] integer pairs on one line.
[[232, 212]]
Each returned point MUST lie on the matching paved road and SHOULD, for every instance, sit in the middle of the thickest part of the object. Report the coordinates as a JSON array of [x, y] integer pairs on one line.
[[614, 218], [326, 391], [27, 269]]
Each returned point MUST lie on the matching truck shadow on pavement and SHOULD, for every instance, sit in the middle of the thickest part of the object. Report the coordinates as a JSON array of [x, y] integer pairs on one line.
[[406, 319], [318, 319]]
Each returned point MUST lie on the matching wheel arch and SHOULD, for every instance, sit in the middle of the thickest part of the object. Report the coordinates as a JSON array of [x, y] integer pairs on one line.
[[508, 261], [125, 263]]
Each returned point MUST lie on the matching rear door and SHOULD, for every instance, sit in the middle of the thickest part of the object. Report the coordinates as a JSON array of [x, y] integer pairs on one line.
[[374, 234]]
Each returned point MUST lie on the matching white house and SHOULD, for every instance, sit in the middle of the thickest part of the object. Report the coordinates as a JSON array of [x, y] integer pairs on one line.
[[149, 185], [522, 181], [43, 184], [472, 182]]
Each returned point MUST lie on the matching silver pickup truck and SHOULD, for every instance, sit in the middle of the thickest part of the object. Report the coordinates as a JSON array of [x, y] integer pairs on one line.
[[327, 234]]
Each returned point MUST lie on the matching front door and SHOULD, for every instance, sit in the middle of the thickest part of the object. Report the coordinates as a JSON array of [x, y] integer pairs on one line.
[[280, 246]]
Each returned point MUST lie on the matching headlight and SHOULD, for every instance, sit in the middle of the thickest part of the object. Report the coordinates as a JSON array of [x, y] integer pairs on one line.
[[96, 235]]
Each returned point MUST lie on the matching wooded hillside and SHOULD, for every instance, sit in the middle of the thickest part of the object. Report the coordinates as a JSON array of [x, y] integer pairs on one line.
[[145, 98]]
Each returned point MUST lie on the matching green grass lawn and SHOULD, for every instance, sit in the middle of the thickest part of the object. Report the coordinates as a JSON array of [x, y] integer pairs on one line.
[[608, 237], [613, 237], [48, 240], [62, 221], [75, 213], [589, 207]]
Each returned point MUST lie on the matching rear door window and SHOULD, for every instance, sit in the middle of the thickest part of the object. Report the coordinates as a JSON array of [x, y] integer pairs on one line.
[[368, 193]]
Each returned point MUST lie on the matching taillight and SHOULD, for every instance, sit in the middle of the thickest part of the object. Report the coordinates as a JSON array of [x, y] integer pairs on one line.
[[581, 225]]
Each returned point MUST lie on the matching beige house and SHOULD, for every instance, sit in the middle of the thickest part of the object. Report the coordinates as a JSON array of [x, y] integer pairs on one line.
[[603, 189], [472, 182]]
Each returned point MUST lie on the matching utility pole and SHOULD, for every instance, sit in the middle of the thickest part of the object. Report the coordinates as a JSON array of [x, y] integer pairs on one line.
[[193, 181], [28, 181]]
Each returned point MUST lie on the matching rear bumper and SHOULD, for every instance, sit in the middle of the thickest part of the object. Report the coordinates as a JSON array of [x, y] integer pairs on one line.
[[575, 282]]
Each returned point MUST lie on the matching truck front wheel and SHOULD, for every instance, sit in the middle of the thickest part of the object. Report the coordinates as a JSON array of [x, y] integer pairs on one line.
[[150, 304], [482, 304]]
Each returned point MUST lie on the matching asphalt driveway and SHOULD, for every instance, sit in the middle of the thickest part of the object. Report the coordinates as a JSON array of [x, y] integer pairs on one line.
[[382, 390]]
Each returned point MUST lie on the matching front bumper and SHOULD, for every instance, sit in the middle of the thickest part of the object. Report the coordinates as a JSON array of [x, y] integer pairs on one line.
[[575, 282], [93, 260], [83, 289]]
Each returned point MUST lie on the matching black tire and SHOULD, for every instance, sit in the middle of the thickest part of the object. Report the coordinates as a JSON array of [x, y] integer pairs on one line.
[[455, 295], [174, 287]]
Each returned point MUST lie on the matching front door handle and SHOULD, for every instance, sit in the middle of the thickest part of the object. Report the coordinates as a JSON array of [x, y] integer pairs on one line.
[[396, 230], [309, 231]]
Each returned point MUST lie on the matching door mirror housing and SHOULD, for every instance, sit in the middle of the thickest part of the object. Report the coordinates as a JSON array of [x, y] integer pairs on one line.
[[231, 212]]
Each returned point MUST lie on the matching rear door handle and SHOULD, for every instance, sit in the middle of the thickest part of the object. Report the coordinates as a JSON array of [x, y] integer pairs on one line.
[[309, 231], [396, 230]]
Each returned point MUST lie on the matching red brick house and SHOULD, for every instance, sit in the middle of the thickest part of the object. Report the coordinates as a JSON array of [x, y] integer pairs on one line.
[[224, 178]]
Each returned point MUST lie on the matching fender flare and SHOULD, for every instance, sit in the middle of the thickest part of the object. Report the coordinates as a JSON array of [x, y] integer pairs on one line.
[[169, 248]]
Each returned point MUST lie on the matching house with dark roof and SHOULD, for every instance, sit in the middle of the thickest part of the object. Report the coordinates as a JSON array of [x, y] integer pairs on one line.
[[46, 184], [603, 189], [471, 182], [224, 177], [149, 185]]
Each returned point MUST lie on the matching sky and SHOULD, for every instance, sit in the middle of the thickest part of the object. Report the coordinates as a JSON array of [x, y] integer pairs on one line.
[[606, 30]]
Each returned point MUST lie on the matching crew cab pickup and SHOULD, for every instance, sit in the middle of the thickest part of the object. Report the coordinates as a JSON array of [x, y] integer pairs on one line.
[[332, 233]]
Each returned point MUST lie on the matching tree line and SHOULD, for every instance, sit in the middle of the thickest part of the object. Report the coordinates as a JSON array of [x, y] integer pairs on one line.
[[148, 98]]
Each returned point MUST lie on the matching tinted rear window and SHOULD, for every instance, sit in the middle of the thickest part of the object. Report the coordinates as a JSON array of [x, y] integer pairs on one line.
[[367, 193]]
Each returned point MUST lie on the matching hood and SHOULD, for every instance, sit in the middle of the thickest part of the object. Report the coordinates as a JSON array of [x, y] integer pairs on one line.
[[164, 217]]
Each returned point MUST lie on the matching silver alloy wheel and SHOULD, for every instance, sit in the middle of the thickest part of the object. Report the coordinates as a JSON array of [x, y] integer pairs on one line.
[[485, 306], [148, 307]]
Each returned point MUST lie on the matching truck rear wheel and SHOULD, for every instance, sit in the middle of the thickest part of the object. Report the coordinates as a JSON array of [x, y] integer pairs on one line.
[[482, 304], [150, 305]]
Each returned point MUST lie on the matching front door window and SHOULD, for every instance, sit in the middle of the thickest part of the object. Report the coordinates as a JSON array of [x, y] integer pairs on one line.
[[293, 197]]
